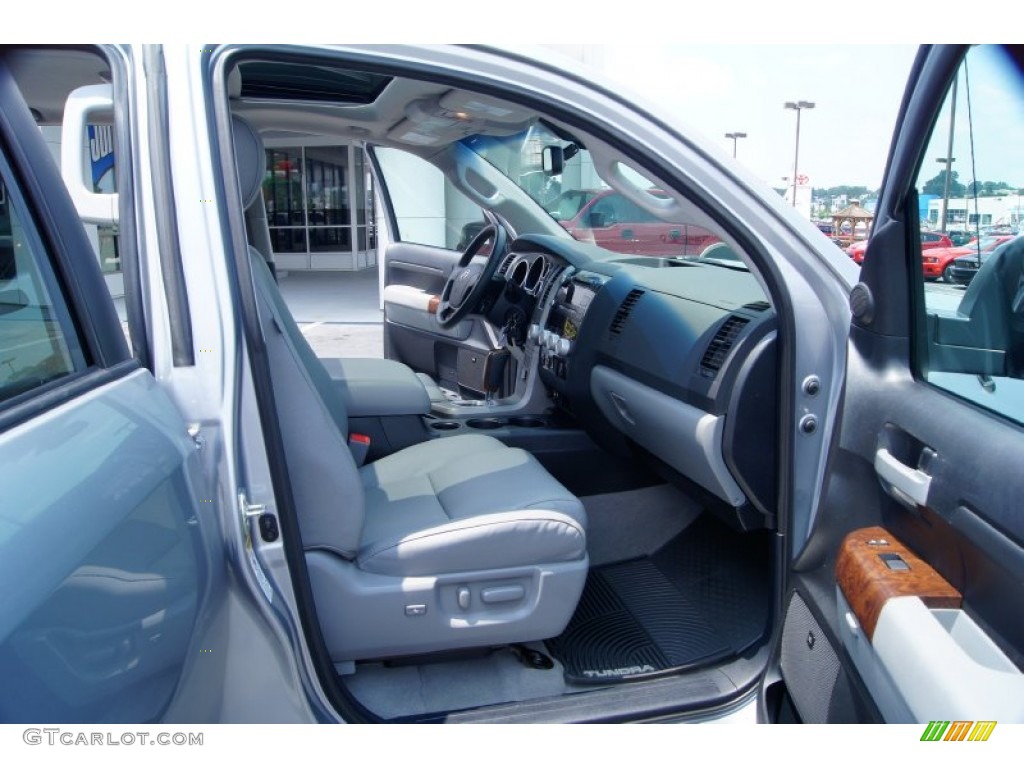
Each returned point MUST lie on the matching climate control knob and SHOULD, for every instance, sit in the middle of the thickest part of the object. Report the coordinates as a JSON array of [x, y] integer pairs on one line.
[[562, 347]]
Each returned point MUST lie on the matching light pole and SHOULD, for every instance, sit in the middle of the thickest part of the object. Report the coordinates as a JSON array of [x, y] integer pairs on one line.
[[734, 137], [948, 160], [798, 106]]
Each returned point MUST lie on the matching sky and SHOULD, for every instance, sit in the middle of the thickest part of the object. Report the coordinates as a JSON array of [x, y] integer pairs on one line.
[[718, 89]]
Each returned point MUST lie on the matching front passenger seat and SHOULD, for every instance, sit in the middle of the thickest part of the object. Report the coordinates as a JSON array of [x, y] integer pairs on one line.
[[456, 542]]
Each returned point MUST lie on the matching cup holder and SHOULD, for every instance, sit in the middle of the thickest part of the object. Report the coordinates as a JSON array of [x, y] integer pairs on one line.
[[526, 421], [485, 423], [444, 426]]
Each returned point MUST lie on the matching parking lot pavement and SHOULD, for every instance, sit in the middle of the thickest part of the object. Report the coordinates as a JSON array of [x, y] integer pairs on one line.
[[332, 297], [345, 339], [942, 297], [338, 312]]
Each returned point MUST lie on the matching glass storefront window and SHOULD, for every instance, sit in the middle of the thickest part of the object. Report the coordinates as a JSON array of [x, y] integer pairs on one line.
[[315, 196], [288, 239], [282, 188], [323, 239]]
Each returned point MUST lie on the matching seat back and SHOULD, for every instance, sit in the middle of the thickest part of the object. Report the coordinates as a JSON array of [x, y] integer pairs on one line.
[[314, 425]]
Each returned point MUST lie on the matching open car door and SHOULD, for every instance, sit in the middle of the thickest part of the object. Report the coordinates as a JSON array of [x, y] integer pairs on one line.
[[102, 540], [904, 603]]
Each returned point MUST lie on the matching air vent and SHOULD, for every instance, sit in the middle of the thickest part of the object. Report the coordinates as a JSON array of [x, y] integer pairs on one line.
[[720, 345], [503, 268], [625, 308], [758, 306]]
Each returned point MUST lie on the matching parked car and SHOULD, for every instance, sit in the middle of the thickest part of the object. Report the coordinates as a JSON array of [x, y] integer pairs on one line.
[[963, 268], [760, 481], [857, 250], [929, 241], [938, 262], [827, 228], [960, 237], [609, 219]]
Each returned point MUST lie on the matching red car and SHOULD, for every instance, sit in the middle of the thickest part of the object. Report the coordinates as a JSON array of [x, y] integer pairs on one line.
[[938, 262], [856, 251], [608, 219], [929, 240]]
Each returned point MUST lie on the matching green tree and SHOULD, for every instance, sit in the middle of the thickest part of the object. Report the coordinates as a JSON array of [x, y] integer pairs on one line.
[[937, 185]]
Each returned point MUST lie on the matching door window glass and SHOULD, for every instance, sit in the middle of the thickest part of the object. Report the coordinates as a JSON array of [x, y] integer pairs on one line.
[[970, 187], [37, 341], [428, 209]]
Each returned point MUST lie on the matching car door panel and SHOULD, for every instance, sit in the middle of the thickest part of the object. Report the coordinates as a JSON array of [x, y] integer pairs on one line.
[[414, 274], [100, 545], [420, 266], [936, 474], [100, 535], [414, 277]]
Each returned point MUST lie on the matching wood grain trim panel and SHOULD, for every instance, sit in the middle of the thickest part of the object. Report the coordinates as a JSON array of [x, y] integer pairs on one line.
[[868, 583], [433, 303]]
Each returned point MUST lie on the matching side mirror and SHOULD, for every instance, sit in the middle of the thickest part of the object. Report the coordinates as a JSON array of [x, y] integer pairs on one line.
[[597, 220], [552, 160]]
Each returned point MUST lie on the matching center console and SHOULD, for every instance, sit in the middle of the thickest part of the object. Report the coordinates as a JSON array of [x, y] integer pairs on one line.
[[561, 321]]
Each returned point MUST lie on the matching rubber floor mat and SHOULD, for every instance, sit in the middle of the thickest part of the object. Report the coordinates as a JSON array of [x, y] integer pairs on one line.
[[700, 599]]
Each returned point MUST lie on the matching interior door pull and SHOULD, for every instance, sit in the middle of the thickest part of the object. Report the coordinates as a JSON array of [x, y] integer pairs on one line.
[[910, 482]]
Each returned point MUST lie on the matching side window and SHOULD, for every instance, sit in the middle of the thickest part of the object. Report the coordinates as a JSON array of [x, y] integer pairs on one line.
[[605, 212], [428, 209], [38, 343], [970, 188], [48, 77]]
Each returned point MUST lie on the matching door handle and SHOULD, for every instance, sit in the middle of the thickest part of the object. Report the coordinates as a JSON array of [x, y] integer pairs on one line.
[[909, 482]]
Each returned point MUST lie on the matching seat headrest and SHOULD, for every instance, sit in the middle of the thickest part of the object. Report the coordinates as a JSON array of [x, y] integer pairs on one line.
[[250, 159]]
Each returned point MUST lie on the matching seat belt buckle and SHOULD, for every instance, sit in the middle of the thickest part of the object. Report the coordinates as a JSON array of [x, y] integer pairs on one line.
[[359, 445]]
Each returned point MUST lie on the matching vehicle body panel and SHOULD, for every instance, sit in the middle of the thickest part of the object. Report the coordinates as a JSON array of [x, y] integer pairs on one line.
[[106, 487]]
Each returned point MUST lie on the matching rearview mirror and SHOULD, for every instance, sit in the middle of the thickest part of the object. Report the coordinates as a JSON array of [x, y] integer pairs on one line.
[[552, 160]]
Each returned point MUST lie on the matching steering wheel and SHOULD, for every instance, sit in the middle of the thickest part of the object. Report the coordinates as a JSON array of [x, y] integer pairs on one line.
[[467, 283]]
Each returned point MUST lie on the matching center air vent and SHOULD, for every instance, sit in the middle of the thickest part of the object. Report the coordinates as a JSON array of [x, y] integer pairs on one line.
[[503, 269], [720, 345], [623, 312]]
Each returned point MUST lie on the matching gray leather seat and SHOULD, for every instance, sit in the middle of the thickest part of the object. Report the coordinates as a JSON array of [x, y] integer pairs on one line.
[[456, 542]]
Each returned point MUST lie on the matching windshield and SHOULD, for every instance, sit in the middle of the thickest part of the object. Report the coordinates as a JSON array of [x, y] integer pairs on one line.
[[586, 207]]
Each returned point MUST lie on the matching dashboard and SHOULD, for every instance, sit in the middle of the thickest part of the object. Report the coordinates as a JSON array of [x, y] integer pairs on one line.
[[674, 360]]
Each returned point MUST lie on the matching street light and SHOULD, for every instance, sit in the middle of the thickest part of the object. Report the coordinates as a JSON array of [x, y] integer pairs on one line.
[[734, 137], [798, 106], [948, 160]]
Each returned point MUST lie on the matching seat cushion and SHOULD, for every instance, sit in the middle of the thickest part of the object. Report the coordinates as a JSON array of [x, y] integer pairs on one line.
[[466, 503]]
